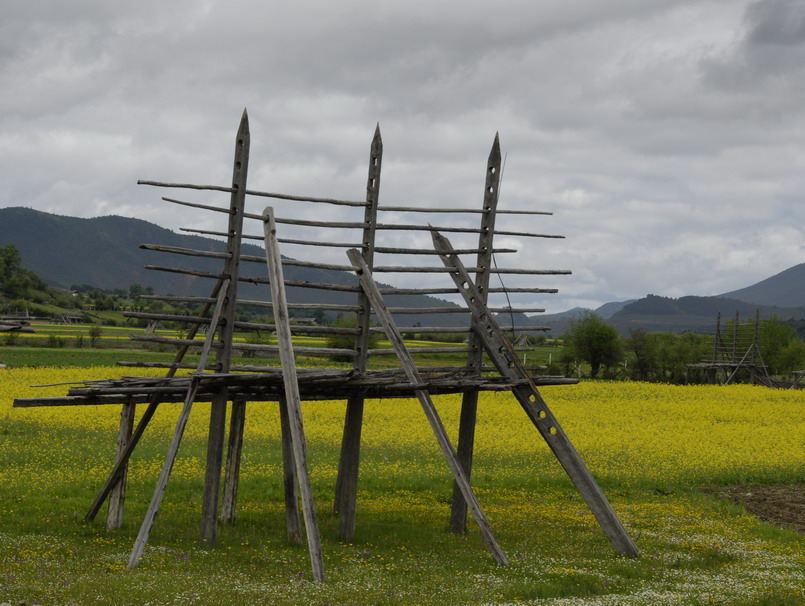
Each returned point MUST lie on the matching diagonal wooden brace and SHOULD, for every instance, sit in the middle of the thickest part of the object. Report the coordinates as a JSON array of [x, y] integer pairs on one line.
[[173, 449], [292, 396], [369, 286], [507, 362]]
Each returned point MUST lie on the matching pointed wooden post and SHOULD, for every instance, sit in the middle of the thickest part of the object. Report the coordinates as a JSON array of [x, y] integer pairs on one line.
[[215, 443], [507, 362], [346, 487], [469, 403], [292, 397]]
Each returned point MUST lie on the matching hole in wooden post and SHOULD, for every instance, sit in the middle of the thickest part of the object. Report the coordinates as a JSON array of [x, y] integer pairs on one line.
[[492, 170], [491, 190], [542, 414], [552, 430], [532, 398]]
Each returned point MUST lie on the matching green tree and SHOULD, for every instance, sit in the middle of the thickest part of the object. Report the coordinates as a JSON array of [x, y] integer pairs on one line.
[[10, 261], [780, 346], [95, 333], [643, 346], [347, 341], [594, 341]]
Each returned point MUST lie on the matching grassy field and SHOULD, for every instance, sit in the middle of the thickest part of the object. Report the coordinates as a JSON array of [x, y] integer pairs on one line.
[[72, 345], [650, 446]]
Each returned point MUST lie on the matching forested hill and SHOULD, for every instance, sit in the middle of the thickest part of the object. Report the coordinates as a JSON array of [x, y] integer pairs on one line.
[[104, 252]]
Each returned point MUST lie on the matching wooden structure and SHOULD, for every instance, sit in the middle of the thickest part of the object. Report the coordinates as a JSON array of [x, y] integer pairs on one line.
[[736, 355], [216, 379], [12, 325]]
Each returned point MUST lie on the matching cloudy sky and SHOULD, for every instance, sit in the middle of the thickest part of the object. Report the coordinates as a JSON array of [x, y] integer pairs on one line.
[[666, 136]]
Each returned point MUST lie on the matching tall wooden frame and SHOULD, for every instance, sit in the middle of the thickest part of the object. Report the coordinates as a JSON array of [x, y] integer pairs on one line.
[[226, 380]]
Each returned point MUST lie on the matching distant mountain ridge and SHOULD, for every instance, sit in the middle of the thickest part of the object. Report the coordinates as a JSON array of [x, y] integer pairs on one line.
[[104, 252], [786, 289], [693, 314], [782, 295]]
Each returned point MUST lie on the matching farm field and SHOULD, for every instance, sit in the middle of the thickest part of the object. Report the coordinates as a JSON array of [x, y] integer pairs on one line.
[[72, 345], [651, 447]]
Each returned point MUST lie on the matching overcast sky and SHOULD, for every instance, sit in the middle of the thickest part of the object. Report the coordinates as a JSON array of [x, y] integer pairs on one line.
[[666, 136]]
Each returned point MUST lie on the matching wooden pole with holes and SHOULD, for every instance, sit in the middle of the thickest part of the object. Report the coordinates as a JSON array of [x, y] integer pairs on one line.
[[217, 431], [469, 401], [508, 364], [346, 487]]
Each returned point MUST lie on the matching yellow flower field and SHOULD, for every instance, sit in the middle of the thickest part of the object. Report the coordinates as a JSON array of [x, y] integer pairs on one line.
[[650, 446]]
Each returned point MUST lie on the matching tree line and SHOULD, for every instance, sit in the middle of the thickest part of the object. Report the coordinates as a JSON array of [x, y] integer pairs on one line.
[[664, 356]]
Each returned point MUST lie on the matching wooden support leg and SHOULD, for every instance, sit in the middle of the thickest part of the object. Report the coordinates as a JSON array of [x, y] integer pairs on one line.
[[114, 517], [507, 362], [164, 475], [212, 477], [234, 452], [292, 395], [466, 445], [369, 286], [173, 449], [292, 519], [346, 488], [122, 461], [123, 458]]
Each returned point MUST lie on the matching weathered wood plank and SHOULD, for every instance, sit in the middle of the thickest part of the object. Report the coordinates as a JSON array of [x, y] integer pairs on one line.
[[463, 230], [420, 209], [252, 192]]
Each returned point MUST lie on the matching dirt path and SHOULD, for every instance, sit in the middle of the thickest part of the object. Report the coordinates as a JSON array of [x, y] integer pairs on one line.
[[779, 504]]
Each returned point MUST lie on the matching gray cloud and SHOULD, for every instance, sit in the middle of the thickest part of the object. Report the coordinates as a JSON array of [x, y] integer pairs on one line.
[[666, 135]]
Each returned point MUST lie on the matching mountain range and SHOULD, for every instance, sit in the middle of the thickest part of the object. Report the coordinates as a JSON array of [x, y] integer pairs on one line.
[[782, 295], [104, 252]]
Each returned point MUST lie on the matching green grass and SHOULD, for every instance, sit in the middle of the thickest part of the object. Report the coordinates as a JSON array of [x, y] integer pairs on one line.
[[696, 549], [70, 345]]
